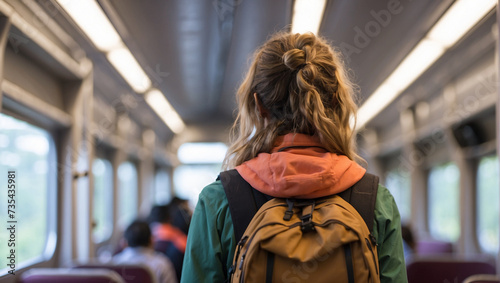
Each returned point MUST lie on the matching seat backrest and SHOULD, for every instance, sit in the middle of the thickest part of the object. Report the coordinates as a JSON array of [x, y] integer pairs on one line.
[[131, 273], [426, 247], [446, 269], [64, 275], [173, 253], [482, 278]]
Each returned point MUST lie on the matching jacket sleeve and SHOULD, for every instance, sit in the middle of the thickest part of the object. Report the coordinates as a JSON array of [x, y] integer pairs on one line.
[[210, 238], [389, 239]]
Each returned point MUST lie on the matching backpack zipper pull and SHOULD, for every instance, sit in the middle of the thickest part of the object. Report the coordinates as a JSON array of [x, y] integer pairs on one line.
[[241, 243], [241, 261], [373, 253]]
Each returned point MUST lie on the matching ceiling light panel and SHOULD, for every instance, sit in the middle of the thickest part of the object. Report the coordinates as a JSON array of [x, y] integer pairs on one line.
[[89, 16], [458, 20], [125, 63], [307, 15], [156, 100]]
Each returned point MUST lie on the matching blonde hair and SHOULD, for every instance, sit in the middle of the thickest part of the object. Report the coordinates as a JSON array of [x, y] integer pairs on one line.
[[302, 83]]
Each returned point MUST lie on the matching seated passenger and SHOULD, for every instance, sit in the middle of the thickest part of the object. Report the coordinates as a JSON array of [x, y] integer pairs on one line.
[[139, 250], [409, 245], [180, 214], [167, 239]]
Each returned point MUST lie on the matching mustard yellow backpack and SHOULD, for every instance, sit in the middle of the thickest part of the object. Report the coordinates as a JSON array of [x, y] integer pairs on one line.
[[295, 240]]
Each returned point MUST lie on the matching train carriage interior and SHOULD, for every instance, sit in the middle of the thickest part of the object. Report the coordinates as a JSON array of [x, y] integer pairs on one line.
[[111, 107]]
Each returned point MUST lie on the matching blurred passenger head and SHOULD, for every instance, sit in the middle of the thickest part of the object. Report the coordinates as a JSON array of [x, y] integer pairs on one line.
[[159, 214], [180, 214], [138, 234], [296, 83]]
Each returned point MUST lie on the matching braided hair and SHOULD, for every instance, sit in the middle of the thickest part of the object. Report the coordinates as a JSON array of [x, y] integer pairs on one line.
[[303, 85]]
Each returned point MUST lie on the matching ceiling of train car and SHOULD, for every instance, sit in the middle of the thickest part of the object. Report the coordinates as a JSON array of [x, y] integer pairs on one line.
[[197, 51]]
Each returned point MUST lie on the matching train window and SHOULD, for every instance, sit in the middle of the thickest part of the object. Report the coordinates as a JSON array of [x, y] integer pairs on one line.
[[202, 164], [487, 204], [443, 202], [162, 193], [128, 193], [189, 180], [398, 183], [202, 152], [103, 198], [29, 153]]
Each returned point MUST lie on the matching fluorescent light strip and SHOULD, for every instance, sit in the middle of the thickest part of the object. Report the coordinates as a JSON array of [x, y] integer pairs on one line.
[[462, 16], [125, 63], [307, 15], [162, 107], [89, 16], [91, 19], [459, 19]]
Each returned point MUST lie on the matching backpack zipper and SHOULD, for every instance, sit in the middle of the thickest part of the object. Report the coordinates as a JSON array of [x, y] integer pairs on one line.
[[240, 267], [368, 243], [241, 242]]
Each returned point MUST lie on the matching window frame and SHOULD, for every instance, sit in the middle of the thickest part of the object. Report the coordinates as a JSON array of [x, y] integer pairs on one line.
[[428, 200], [159, 169], [399, 172], [108, 196], [476, 204], [118, 201], [53, 206]]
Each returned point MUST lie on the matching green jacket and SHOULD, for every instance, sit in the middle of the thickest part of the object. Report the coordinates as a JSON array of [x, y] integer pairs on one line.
[[211, 241]]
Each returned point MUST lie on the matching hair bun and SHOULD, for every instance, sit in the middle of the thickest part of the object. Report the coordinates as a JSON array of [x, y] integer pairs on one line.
[[294, 59]]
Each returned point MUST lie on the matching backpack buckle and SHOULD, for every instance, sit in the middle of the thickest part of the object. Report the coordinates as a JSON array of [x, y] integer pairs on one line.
[[307, 225], [289, 211]]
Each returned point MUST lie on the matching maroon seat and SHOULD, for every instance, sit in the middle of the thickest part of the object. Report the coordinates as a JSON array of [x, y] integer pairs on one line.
[[131, 273], [64, 275], [482, 278], [439, 270], [427, 247]]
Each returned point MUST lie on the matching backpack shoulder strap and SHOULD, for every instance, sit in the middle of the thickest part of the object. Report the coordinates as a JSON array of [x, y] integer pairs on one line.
[[244, 201], [362, 196]]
